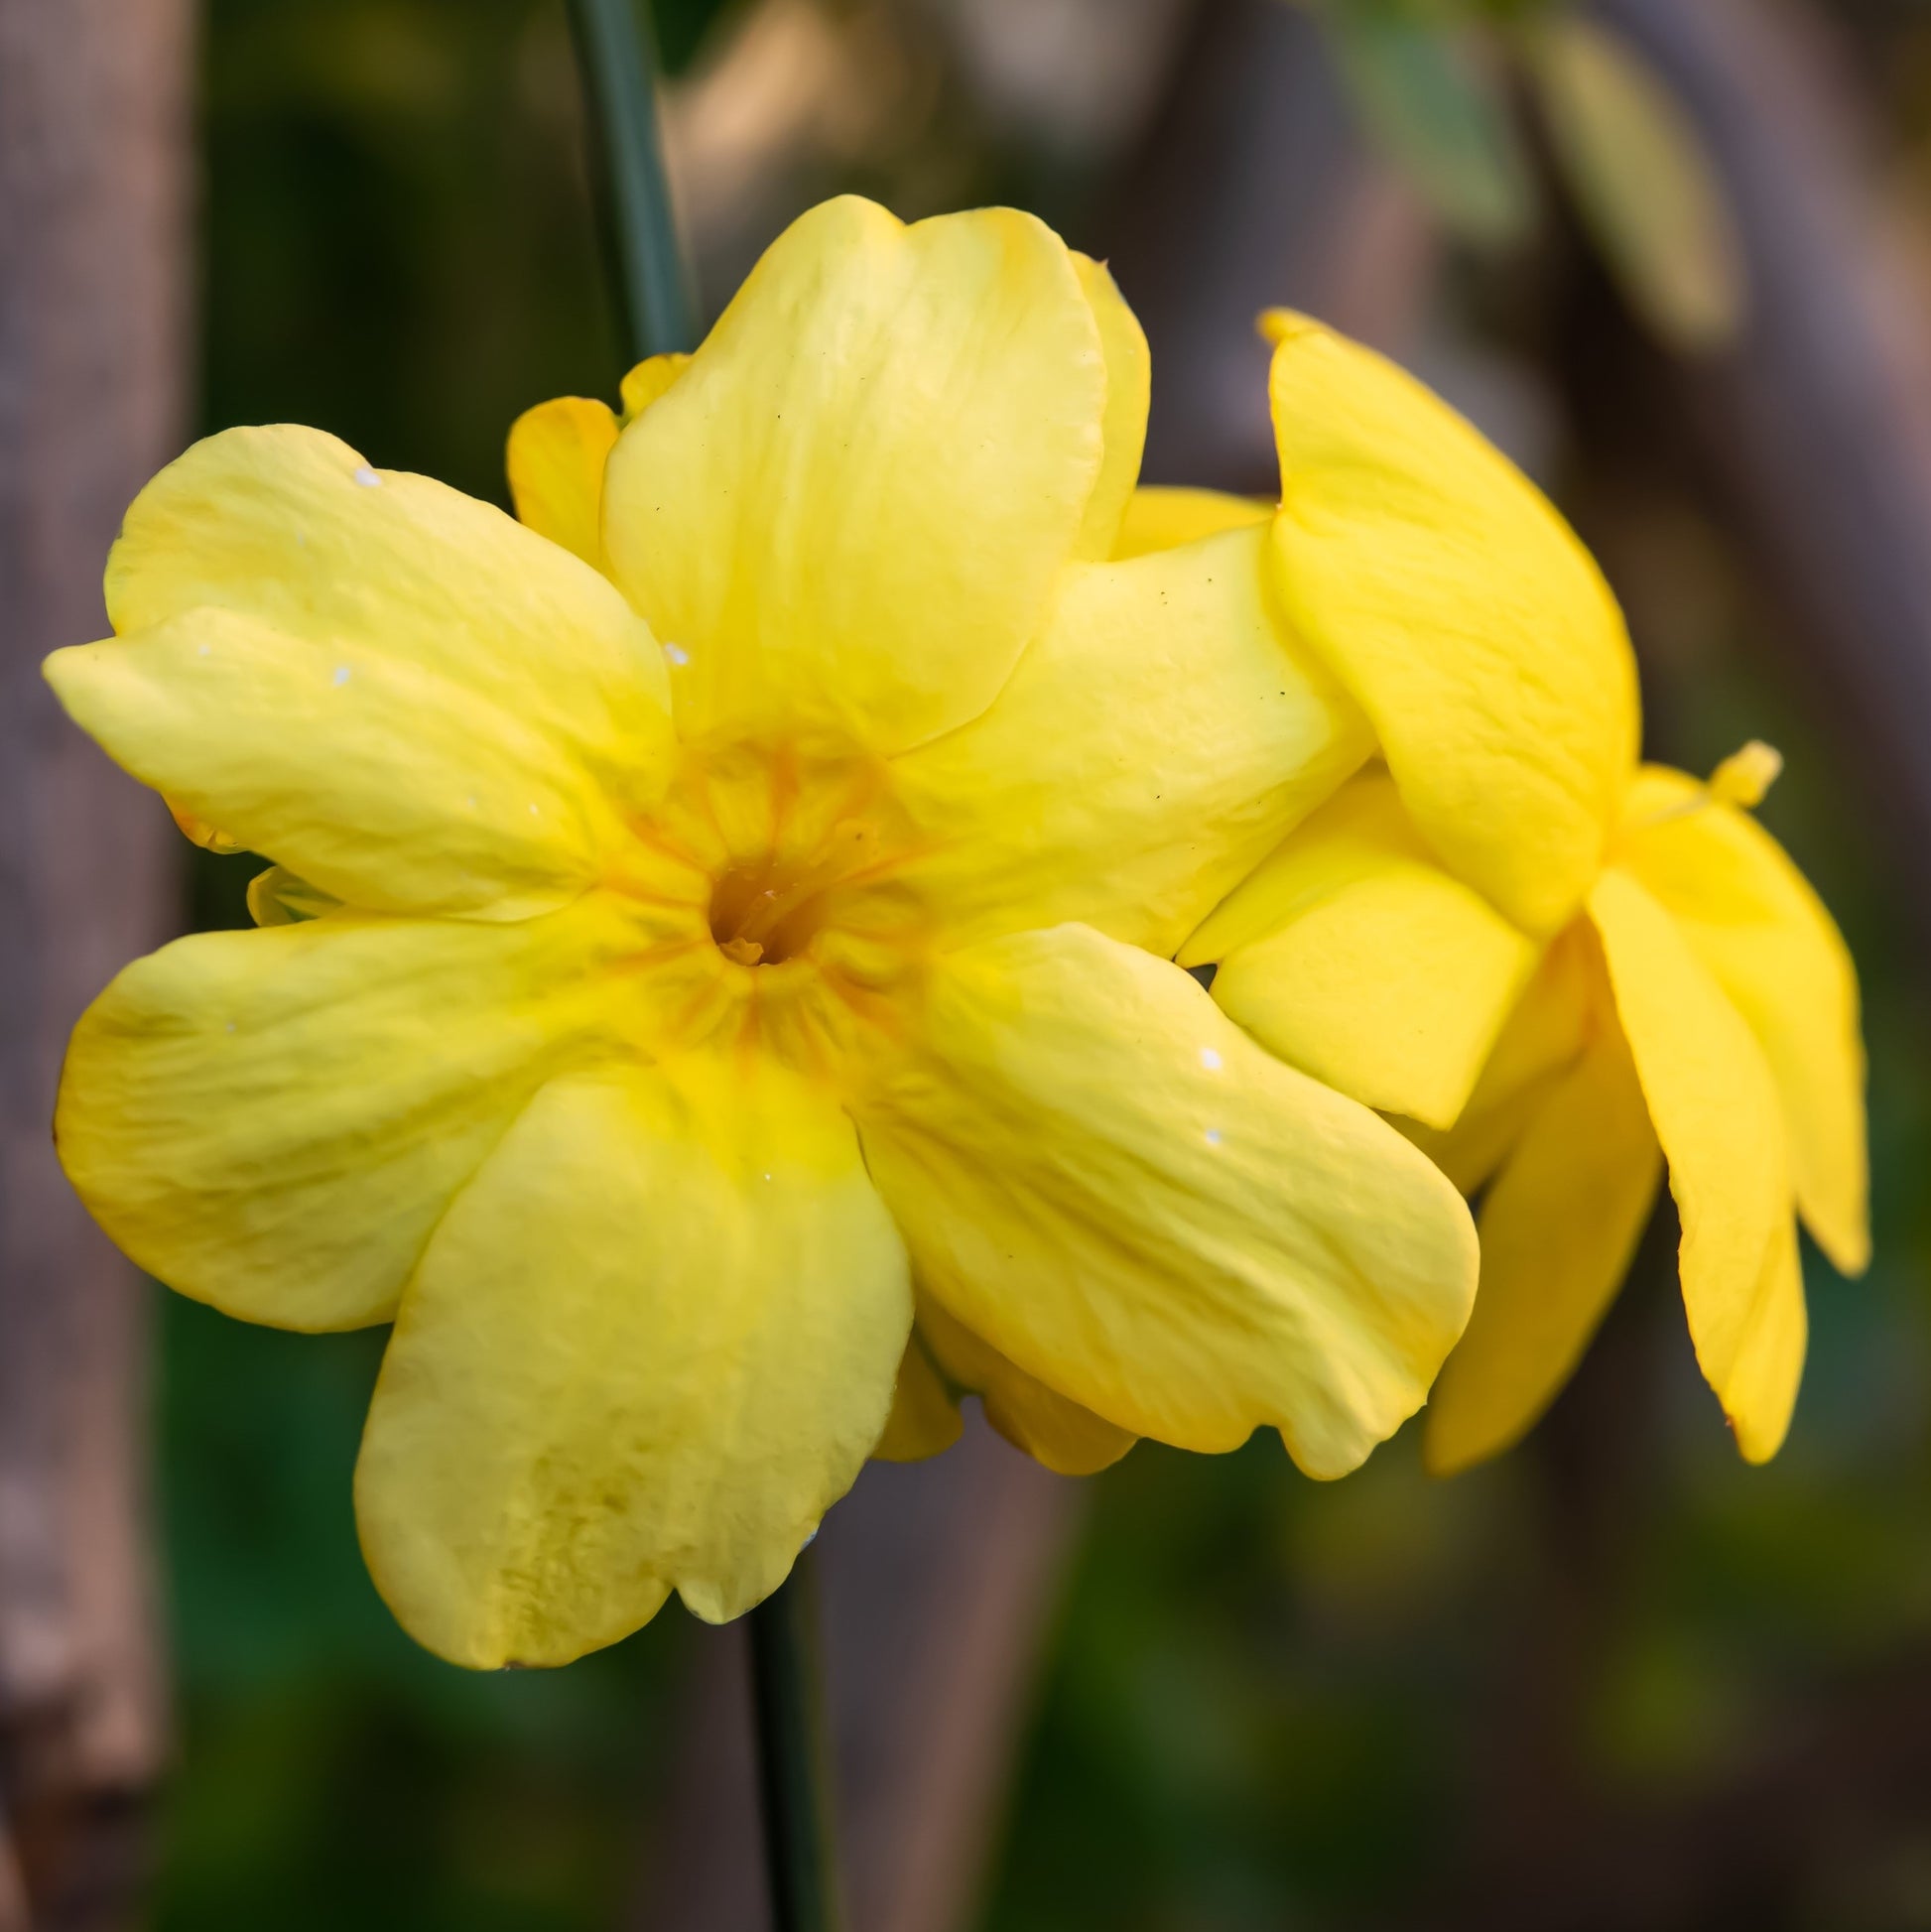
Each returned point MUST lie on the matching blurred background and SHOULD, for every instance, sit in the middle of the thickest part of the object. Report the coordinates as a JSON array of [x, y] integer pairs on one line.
[[1670, 254]]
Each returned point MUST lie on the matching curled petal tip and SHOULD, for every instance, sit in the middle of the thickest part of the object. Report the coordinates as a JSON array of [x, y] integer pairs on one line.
[[1746, 776]]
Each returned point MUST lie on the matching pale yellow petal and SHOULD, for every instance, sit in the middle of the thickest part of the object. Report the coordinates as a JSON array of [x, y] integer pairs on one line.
[[1716, 1110], [1099, 1174], [1129, 384], [556, 457], [1158, 517], [924, 1419], [1051, 1428], [1756, 922], [1559, 1226], [1352, 954], [292, 528], [1157, 740], [649, 1346], [273, 1121], [385, 781], [849, 513], [1461, 612]]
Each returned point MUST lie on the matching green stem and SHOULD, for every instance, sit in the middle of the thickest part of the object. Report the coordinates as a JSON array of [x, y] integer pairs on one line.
[[794, 1771], [657, 305], [656, 292]]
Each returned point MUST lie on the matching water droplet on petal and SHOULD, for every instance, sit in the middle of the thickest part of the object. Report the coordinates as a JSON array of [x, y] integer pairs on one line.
[[1210, 1058], [342, 673], [677, 654], [368, 478], [1213, 1136]]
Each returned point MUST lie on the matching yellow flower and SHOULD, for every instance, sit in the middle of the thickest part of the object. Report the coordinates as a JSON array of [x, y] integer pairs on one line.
[[656, 989], [1557, 987]]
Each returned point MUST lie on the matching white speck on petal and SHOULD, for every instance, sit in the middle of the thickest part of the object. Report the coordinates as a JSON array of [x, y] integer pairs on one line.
[[1210, 1058], [204, 651], [677, 654], [231, 1027], [809, 1538], [342, 673], [471, 801], [767, 1177], [368, 478], [532, 810], [1213, 1136]]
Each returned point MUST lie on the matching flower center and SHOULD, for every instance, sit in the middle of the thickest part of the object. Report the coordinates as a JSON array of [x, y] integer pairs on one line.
[[765, 913], [784, 839]]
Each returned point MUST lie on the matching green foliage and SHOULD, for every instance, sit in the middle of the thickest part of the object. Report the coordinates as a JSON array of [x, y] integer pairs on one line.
[[1437, 107], [1432, 82], [1641, 181]]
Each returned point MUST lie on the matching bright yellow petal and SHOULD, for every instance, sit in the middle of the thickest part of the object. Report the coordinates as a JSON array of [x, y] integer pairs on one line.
[[381, 780], [1558, 1229], [273, 1121], [556, 457], [1129, 384], [556, 453], [1544, 1037], [1156, 741], [1756, 922], [1104, 1176], [650, 1345], [648, 380], [1159, 517], [1354, 956], [292, 528], [924, 1419], [1049, 1426], [1715, 1108], [849, 511], [1460, 611]]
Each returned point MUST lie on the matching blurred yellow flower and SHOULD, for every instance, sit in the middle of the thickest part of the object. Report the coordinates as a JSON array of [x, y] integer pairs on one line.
[[1558, 974], [666, 974]]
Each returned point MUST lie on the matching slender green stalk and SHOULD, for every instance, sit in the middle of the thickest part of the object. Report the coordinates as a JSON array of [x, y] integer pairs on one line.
[[794, 1769], [655, 290], [657, 302]]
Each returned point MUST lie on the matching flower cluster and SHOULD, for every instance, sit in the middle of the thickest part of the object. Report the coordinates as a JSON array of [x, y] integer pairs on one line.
[[721, 987]]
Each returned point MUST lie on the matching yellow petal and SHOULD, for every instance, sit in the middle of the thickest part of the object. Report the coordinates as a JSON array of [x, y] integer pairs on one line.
[[273, 1121], [384, 781], [1715, 1108], [1159, 517], [557, 453], [1129, 384], [648, 380], [292, 528], [1156, 741], [924, 1418], [211, 838], [1543, 1037], [650, 1345], [1049, 1426], [849, 511], [278, 897], [1460, 611], [1354, 956], [1099, 1174], [1558, 1228], [1755, 922]]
